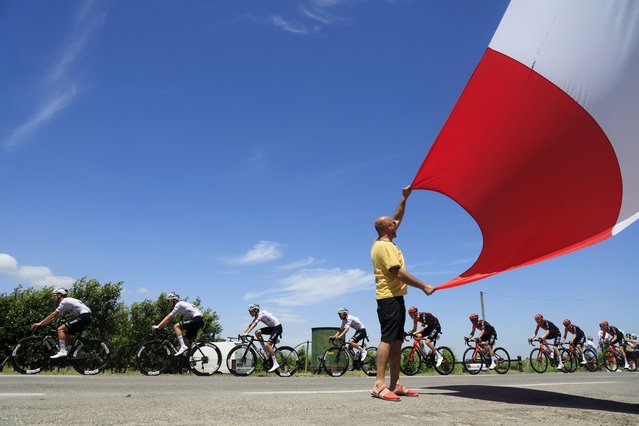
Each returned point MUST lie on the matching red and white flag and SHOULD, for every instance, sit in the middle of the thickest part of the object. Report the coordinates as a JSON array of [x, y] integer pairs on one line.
[[542, 147]]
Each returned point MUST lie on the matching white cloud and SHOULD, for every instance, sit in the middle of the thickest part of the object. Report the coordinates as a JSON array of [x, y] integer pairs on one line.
[[304, 263], [316, 286], [262, 252], [292, 27], [61, 86], [35, 275], [143, 290]]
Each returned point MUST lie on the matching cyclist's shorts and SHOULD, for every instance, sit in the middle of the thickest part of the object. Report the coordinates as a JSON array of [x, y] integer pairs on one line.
[[391, 313], [78, 324], [489, 338], [580, 339], [431, 332], [191, 327], [274, 332], [359, 335], [556, 336]]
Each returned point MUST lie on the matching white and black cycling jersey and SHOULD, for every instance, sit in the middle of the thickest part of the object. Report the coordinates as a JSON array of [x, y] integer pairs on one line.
[[267, 318], [352, 322], [74, 306], [187, 309]]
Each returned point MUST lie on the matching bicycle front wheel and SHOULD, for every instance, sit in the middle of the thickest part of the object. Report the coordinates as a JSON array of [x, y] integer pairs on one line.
[[154, 357], [473, 361], [31, 355], [288, 359], [411, 361], [611, 361], [241, 360], [538, 360], [204, 359], [448, 363], [592, 363], [335, 361], [90, 357], [502, 360], [369, 365]]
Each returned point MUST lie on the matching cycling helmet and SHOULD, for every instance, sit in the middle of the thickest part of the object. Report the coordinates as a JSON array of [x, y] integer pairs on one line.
[[412, 310], [566, 322], [172, 296], [603, 324], [341, 311], [253, 306], [539, 317], [473, 317], [61, 291]]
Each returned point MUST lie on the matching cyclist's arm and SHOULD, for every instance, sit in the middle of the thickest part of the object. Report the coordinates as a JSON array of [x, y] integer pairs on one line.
[[342, 332], [480, 334], [165, 321], [250, 327], [48, 320], [472, 333], [535, 333]]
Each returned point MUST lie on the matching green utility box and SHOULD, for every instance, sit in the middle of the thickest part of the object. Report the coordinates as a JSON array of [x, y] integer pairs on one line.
[[320, 342]]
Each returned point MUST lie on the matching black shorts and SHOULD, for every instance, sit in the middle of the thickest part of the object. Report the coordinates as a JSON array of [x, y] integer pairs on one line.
[[359, 335], [489, 338], [431, 332], [191, 327], [78, 324], [392, 316], [554, 337], [579, 339], [274, 332]]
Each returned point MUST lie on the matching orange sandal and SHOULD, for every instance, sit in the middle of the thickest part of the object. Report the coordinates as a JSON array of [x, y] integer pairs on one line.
[[388, 396], [402, 391]]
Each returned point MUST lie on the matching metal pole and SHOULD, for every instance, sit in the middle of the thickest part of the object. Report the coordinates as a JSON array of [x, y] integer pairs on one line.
[[483, 312], [306, 359]]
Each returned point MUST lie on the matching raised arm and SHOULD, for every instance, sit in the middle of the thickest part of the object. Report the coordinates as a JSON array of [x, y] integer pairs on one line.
[[401, 207]]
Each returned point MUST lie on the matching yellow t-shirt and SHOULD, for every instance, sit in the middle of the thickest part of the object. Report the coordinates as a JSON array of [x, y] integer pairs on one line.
[[386, 255]]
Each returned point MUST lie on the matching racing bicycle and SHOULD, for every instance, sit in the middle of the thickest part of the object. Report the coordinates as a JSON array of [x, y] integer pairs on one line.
[[571, 357], [155, 356], [245, 358], [543, 356], [412, 357], [475, 358], [337, 359], [33, 354]]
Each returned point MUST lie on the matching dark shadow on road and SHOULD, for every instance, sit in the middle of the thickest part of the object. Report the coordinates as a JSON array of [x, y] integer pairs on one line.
[[513, 395]]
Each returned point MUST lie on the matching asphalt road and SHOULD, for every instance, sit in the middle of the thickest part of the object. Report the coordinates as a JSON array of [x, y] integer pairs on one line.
[[579, 398]]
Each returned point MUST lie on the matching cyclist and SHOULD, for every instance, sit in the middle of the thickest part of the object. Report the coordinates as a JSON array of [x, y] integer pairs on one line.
[[617, 339], [486, 338], [348, 322], [552, 332], [187, 329], [578, 337], [273, 328], [80, 312], [430, 329]]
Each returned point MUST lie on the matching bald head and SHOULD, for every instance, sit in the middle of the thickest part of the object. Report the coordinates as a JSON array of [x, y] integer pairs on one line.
[[381, 225]]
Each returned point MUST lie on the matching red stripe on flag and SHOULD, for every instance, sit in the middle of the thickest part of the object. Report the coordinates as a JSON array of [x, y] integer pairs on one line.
[[528, 163]]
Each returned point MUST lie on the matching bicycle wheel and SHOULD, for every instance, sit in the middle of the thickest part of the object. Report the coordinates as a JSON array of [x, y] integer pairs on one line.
[[288, 359], [369, 365], [567, 360], [204, 359], [610, 361], [154, 357], [90, 356], [411, 361], [575, 362], [592, 363], [31, 355], [241, 360], [335, 361], [473, 361], [448, 363], [502, 360], [538, 360]]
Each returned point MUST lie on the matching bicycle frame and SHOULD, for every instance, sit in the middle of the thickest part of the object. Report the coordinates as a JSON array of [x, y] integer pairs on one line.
[[427, 358]]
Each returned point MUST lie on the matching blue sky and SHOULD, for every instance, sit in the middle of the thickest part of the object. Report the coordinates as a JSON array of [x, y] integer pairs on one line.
[[240, 151]]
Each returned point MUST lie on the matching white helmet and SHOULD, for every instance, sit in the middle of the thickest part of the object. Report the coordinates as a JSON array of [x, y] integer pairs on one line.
[[61, 291], [172, 296], [341, 311], [253, 306]]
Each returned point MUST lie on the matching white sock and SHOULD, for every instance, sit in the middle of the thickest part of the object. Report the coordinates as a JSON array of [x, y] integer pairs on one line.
[[181, 340], [63, 345]]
